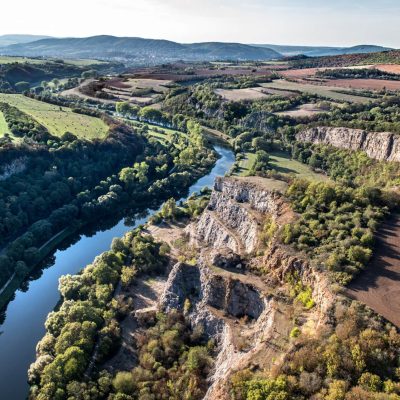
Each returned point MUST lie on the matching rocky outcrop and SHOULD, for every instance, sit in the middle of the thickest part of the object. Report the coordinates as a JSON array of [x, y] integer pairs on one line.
[[384, 146], [245, 313], [278, 262], [218, 304], [203, 288], [235, 214]]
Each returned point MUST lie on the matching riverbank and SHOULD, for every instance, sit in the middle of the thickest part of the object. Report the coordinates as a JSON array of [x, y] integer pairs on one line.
[[15, 282], [23, 326]]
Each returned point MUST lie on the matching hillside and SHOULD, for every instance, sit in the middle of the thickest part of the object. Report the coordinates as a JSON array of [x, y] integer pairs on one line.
[[7, 40], [319, 51], [345, 60], [138, 50]]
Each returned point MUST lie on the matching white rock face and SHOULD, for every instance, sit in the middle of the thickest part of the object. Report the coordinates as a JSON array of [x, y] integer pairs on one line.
[[384, 146], [235, 308], [233, 216]]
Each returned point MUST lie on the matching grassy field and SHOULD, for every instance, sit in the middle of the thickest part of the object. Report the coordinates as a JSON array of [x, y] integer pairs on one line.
[[325, 91], [22, 60], [158, 132], [58, 120], [3, 125], [84, 62], [281, 162], [246, 164]]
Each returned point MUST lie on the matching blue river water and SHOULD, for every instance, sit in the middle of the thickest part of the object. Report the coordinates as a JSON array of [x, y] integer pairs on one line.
[[23, 325]]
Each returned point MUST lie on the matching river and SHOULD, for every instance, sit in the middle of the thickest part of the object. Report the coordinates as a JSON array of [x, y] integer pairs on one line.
[[23, 325]]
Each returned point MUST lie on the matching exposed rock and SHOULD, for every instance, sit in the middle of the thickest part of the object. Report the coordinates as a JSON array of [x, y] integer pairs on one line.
[[244, 313], [378, 145], [226, 259], [277, 263], [235, 213]]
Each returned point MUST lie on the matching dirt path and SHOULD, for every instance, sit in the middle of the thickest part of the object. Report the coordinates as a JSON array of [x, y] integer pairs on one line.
[[379, 285]]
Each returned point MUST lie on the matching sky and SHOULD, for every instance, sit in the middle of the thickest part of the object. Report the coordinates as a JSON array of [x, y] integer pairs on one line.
[[295, 22]]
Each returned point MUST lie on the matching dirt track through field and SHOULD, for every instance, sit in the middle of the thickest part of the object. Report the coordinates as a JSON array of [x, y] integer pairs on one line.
[[379, 285]]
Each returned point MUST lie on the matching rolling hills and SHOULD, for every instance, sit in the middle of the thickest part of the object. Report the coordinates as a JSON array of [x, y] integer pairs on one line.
[[138, 50], [318, 51], [7, 40]]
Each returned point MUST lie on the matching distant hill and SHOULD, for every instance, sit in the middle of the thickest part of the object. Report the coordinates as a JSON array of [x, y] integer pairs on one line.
[[346, 60], [138, 50], [318, 51], [7, 40]]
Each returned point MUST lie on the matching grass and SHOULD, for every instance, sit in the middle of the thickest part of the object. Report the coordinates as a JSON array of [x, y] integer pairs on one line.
[[324, 91], [84, 62], [246, 164], [22, 60], [3, 125], [58, 120], [162, 137], [282, 163]]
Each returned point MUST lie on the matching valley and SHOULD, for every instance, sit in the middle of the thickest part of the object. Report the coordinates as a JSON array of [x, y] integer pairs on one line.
[[209, 221]]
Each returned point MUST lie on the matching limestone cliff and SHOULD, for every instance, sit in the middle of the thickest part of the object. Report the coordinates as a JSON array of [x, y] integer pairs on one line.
[[246, 314], [235, 213], [383, 146]]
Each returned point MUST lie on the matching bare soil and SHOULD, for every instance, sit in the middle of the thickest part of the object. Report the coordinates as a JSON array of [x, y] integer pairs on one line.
[[305, 110], [379, 285], [369, 84], [394, 69], [255, 93]]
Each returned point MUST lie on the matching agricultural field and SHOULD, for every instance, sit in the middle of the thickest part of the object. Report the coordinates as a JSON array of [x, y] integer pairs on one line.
[[19, 60], [23, 60], [368, 84], [3, 125], [305, 110], [391, 68], [136, 91], [58, 120], [320, 90], [255, 93]]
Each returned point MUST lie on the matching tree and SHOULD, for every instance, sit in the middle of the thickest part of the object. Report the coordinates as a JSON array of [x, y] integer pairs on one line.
[[125, 108], [169, 209], [128, 276], [123, 383], [22, 86], [92, 73], [260, 143], [21, 269]]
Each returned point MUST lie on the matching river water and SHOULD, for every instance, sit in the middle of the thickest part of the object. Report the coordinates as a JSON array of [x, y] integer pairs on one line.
[[23, 325]]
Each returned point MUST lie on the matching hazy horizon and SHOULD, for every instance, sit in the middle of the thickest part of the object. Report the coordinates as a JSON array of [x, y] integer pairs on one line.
[[201, 41], [286, 22]]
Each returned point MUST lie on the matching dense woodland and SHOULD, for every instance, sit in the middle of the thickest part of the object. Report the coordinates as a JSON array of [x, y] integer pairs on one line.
[[67, 181]]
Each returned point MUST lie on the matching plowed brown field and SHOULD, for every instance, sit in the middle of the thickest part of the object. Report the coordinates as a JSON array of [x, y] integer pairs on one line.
[[379, 285]]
